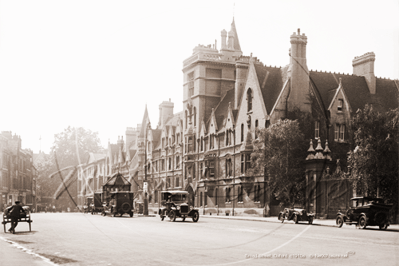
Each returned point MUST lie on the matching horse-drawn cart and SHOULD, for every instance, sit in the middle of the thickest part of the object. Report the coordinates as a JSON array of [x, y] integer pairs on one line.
[[25, 217]]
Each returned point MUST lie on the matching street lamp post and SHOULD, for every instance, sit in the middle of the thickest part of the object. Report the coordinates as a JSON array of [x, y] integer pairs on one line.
[[145, 186]]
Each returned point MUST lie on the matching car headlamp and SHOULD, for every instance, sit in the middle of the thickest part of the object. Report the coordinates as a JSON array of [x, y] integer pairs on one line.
[[178, 207]]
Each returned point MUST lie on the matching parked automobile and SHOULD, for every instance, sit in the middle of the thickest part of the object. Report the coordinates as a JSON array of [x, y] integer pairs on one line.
[[119, 203], [365, 211], [296, 215], [175, 204]]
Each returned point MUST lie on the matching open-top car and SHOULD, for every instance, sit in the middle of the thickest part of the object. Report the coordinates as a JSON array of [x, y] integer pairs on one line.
[[365, 211], [296, 214], [175, 204]]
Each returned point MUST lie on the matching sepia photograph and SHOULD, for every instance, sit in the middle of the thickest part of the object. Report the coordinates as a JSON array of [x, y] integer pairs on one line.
[[199, 133]]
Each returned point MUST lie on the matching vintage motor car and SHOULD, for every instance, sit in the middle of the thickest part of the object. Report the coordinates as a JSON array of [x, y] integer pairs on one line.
[[175, 204], [96, 204], [25, 217], [365, 211], [119, 203], [296, 215]]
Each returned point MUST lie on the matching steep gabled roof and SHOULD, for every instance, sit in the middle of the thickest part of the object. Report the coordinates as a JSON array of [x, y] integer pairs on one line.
[[144, 123], [222, 108], [355, 88], [237, 46], [270, 82], [386, 96]]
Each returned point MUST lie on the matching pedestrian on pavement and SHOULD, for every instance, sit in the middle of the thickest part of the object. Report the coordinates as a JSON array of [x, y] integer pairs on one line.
[[15, 215]]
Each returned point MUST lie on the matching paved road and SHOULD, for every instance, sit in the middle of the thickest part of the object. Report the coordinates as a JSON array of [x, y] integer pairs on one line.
[[84, 239]]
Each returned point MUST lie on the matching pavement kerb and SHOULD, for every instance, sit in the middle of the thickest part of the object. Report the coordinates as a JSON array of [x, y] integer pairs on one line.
[[258, 219], [317, 222]]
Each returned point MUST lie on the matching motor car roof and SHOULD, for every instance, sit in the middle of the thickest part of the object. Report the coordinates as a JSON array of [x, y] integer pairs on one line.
[[174, 192]]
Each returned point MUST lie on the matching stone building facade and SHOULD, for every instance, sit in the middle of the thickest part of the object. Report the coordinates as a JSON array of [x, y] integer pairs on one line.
[[17, 174], [227, 96], [206, 148]]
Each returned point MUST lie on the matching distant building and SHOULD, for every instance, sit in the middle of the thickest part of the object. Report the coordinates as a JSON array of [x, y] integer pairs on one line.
[[17, 175]]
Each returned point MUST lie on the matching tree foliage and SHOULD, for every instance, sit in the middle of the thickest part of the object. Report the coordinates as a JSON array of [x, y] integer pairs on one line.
[[70, 148], [279, 153], [374, 162]]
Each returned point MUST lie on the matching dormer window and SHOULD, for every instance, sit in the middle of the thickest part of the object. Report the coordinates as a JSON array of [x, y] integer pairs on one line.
[[340, 104]]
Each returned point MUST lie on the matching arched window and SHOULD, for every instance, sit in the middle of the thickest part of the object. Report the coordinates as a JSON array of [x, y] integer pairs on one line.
[[193, 169], [216, 196], [240, 198], [256, 128], [185, 117], [267, 123], [249, 100], [242, 132], [195, 116], [202, 143]]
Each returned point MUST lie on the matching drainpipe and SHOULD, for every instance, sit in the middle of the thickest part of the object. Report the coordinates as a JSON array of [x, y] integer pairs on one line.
[[234, 168]]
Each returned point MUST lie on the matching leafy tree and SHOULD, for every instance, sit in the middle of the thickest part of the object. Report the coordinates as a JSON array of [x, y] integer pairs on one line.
[[279, 153], [374, 162], [70, 148]]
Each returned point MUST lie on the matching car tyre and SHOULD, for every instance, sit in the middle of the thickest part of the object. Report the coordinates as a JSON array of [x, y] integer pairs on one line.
[[362, 222], [281, 217], [172, 216], [339, 222], [295, 219], [195, 217], [383, 226]]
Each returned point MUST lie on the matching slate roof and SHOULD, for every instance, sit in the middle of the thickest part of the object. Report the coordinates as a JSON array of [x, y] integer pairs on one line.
[[222, 108], [117, 180], [386, 98], [270, 82], [356, 89]]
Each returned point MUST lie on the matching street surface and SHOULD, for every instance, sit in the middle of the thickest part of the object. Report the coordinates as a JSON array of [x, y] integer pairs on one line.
[[85, 239]]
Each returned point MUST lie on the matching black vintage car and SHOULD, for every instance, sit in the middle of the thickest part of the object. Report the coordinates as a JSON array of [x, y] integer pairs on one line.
[[175, 204], [296, 214], [365, 211], [119, 203]]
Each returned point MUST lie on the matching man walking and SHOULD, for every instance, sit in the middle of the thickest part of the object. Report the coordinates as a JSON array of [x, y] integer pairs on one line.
[[15, 215]]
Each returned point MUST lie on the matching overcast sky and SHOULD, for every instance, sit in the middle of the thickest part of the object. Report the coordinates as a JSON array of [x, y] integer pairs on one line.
[[95, 64]]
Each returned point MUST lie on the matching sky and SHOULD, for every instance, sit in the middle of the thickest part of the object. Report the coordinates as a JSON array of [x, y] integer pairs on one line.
[[96, 64]]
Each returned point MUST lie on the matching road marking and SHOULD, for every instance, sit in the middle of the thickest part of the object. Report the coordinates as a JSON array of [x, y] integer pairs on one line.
[[28, 251], [245, 260]]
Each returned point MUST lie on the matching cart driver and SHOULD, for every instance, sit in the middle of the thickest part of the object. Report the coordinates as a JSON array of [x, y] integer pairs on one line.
[[15, 215]]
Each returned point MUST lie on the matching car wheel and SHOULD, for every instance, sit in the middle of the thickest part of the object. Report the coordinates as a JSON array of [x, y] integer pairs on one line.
[[172, 216], [383, 226], [339, 222], [310, 220], [295, 219], [195, 217], [362, 222]]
